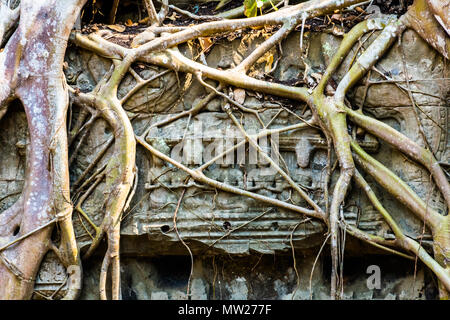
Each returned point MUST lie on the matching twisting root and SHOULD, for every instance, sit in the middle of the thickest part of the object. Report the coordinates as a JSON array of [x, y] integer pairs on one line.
[[401, 239], [119, 172], [329, 112], [48, 157]]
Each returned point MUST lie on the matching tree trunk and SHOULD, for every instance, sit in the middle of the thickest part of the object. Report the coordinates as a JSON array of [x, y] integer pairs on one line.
[[31, 69]]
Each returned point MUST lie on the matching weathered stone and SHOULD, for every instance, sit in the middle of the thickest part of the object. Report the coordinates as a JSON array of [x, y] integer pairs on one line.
[[161, 295], [198, 291], [207, 216], [238, 289]]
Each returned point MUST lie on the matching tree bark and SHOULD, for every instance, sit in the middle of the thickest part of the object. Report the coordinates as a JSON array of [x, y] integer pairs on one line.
[[31, 69]]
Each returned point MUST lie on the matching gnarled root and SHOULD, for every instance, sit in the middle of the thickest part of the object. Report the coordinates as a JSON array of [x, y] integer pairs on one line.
[[41, 88]]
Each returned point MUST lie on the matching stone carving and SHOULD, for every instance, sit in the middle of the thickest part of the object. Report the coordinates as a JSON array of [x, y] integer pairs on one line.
[[214, 222]]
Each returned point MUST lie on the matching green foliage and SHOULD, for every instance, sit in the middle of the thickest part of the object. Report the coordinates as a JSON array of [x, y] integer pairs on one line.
[[252, 6]]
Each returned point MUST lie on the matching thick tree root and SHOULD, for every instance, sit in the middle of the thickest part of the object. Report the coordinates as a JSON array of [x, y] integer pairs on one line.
[[41, 89], [46, 195]]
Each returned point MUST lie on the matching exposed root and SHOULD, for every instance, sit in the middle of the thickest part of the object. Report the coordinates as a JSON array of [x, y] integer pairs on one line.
[[48, 162], [401, 239]]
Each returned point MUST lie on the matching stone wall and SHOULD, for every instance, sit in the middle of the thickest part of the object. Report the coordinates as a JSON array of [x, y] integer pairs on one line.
[[243, 249]]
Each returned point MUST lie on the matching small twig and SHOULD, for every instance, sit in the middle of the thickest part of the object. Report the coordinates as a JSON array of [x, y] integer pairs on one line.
[[3, 247], [294, 258], [142, 84], [314, 264], [182, 241], [193, 16], [239, 227]]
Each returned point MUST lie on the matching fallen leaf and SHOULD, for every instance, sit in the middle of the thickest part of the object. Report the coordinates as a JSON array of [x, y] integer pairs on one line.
[[116, 27], [269, 63], [205, 43], [129, 23], [336, 16]]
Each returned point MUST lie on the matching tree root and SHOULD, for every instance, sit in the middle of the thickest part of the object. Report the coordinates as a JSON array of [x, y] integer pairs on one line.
[[47, 169]]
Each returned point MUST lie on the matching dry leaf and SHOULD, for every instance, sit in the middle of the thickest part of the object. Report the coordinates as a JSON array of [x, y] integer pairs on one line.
[[129, 23], [205, 43], [116, 27], [269, 63], [336, 16], [239, 95]]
